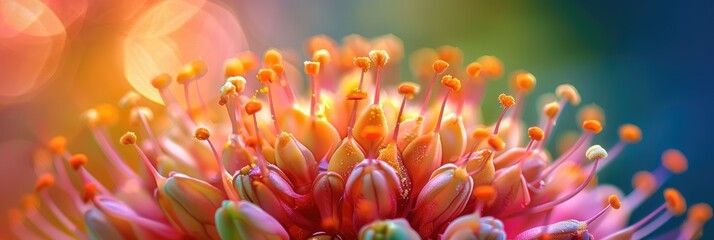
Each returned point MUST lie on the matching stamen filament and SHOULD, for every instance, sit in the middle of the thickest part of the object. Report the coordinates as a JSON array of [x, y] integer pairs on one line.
[[377, 85], [428, 95], [272, 109], [563, 158], [262, 163], [399, 119], [653, 226], [500, 118], [313, 97], [287, 88], [441, 112], [225, 176]]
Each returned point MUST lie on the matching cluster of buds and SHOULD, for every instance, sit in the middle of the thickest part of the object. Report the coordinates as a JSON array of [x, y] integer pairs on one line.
[[337, 167]]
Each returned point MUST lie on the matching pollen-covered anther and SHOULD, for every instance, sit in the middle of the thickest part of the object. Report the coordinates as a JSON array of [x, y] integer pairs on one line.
[[357, 94], [202, 134], [485, 193], [525, 81], [161, 82], [238, 82], [568, 92], [77, 160], [272, 57], [536, 133], [474, 69], [379, 57], [630, 133], [58, 145], [322, 56], [551, 109], [439, 66], [266, 76], [675, 161], [253, 106], [593, 126], [596, 152], [506, 100], [496, 143], [676, 204], [700, 212], [408, 89], [452, 83], [128, 138], [614, 202], [278, 68], [234, 67], [312, 68], [362, 62], [228, 88], [44, 181]]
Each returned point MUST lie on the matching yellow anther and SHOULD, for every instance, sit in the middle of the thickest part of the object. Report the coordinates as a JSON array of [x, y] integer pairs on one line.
[[362, 62], [234, 67], [452, 83], [551, 109], [278, 68], [128, 138], [496, 143], [481, 133], [525, 81], [266, 76], [249, 60], [161, 82], [492, 67], [322, 56], [272, 57]]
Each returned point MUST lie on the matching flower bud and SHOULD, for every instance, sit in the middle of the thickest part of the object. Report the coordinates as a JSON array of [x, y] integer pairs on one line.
[[243, 220], [189, 204], [442, 198], [296, 161], [473, 226], [373, 189], [327, 194], [388, 229]]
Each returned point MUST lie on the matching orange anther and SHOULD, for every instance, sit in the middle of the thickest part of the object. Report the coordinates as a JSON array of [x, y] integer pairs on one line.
[[630, 133], [536, 133], [278, 68], [492, 67], [379, 57], [161, 82], [674, 161], [58, 145], [408, 89], [89, 191], [362, 62], [128, 138], [676, 204], [44, 181], [106, 114], [474, 69], [614, 202], [496, 143], [452, 83], [77, 160], [644, 181], [202, 134], [234, 67], [312, 68], [551, 109], [484, 193], [30, 202], [199, 67], [357, 94], [266, 76], [591, 112], [525, 81], [700, 212], [249, 60], [592, 126], [238, 82], [506, 100], [253, 106], [440, 66], [272, 57]]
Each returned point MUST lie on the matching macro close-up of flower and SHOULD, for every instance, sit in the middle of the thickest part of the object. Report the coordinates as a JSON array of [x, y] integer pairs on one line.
[[218, 119]]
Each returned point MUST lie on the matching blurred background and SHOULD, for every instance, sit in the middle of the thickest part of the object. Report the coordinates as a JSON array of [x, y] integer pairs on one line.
[[643, 62]]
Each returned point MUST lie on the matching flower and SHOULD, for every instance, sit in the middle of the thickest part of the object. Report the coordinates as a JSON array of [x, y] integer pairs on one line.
[[339, 166]]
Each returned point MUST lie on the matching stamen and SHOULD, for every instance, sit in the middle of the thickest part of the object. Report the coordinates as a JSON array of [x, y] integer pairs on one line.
[[484, 194], [438, 65], [312, 69], [202, 134], [473, 70], [230, 90], [506, 101], [594, 153], [408, 90], [363, 63], [525, 82], [479, 135], [129, 138], [644, 184], [31, 205], [552, 112], [266, 77], [612, 202], [379, 58], [454, 85], [253, 107], [674, 161], [629, 134], [77, 161], [591, 127], [41, 185]]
